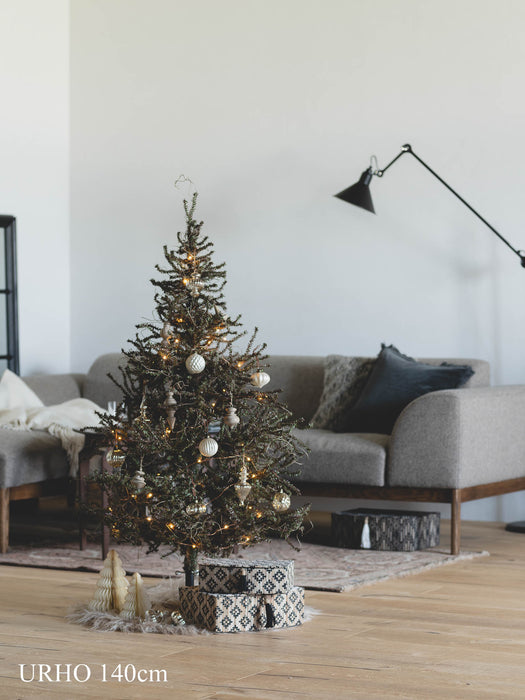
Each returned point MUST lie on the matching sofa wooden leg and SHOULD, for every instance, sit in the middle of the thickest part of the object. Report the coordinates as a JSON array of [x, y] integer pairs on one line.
[[4, 520], [455, 524]]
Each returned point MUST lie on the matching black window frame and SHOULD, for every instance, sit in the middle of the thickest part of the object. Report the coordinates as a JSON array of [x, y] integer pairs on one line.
[[8, 223]]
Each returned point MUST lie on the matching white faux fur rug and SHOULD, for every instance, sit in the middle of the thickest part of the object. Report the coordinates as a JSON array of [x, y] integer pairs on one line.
[[164, 597], [317, 567]]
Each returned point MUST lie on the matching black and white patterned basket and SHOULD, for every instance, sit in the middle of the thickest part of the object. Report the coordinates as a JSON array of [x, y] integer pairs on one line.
[[262, 577], [388, 530], [240, 612]]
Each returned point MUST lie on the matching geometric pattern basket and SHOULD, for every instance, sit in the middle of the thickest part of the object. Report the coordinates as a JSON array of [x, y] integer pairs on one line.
[[240, 612], [265, 577], [389, 530]]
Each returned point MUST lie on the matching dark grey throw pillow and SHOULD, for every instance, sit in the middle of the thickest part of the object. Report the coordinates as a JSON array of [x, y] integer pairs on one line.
[[394, 382], [344, 379]]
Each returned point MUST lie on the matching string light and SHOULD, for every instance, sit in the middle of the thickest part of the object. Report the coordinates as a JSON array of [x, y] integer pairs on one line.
[[170, 526], [150, 495]]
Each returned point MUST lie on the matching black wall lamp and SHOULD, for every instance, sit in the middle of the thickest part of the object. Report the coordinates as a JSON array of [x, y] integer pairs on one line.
[[359, 194]]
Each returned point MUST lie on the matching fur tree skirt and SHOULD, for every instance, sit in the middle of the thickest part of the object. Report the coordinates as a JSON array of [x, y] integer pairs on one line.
[[164, 617]]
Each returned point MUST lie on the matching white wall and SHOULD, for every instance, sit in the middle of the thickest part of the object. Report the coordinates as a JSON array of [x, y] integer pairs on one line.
[[272, 107], [34, 172]]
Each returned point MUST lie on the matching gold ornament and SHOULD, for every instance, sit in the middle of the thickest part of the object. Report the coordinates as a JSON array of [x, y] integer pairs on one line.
[[281, 502], [243, 488], [138, 482], [169, 404], [208, 447], [259, 379], [115, 457], [195, 363], [231, 419], [196, 508]]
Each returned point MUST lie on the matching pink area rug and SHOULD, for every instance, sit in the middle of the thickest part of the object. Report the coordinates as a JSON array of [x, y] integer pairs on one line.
[[317, 567]]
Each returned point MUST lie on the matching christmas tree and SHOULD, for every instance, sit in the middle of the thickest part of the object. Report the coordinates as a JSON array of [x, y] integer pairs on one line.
[[201, 455]]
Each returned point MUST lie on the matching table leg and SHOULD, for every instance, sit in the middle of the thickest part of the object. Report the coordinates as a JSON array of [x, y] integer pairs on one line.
[[83, 472]]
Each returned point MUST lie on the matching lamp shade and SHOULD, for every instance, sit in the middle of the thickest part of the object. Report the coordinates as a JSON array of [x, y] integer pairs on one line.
[[359, 194]]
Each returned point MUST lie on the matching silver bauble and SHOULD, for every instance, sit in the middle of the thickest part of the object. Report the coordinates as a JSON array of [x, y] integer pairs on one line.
[[208, 447], [195, 363], [231, 419], [138, 482], [197, 508], [259, 379], [281, 502], [115, 457]]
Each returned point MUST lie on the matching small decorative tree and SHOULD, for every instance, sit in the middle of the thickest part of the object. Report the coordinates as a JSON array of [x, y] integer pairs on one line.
[[137, 599], [112, 585], [201, 454]]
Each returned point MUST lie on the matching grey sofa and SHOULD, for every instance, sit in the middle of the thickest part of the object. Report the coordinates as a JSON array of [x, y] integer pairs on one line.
[[448, 446]]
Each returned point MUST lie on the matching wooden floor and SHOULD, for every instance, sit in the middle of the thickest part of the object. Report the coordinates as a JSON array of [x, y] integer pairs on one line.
[[453, 632]]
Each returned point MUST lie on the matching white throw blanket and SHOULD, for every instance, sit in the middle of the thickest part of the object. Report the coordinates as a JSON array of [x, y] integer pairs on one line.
[[63, 421]]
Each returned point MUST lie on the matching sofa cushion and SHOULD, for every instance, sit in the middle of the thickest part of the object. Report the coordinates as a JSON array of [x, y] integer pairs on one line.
[[344, 379], [394, 382], [343, 458], [56, 388], [30, 456]]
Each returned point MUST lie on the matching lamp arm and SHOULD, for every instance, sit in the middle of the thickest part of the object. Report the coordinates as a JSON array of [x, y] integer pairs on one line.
[[407, 148]]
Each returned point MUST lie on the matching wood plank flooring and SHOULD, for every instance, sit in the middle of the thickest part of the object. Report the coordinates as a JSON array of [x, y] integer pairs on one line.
[[453, 632]]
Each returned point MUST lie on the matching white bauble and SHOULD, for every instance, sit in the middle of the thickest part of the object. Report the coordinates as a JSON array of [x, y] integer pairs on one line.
[[208, 447], [195, 363], [259, 379]]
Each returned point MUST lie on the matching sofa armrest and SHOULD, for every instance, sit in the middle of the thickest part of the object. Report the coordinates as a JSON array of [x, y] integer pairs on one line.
[[458, 438]]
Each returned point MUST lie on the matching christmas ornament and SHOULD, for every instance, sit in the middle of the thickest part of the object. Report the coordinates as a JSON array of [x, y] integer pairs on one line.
[[169, 404], [231, 419], [197, 508], [195, 363], [138, 482], [281, 502], [112, 586], [115, 457], [208, 447], [259, 379], [137, 599], [242, 488], [171, 616], [195, 285]]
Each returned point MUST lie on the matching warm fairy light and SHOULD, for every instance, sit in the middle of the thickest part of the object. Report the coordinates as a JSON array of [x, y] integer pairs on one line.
[[252, 476], [149, 518], [150, 495], [246, 538], [213, 404], [226, 527], [170, 526], [168, 431], [240, 364], [194, 546], [258, 514], [185, 280], [189, 256], [179, 320], [164, 356], [248, 459], [199, 460], [176, 341]]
